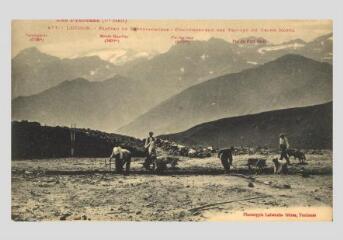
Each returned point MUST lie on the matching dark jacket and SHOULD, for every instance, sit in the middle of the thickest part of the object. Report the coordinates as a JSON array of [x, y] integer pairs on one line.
[[225, 153]]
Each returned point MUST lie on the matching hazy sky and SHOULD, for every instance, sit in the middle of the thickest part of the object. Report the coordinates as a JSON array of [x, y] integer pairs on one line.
[[71, 38]]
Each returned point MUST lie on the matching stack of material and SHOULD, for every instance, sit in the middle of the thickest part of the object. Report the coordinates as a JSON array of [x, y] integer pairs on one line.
[[175, 149]]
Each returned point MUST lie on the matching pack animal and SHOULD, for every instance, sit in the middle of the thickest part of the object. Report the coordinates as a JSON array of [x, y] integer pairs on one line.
[[297, 154], [160, 163]]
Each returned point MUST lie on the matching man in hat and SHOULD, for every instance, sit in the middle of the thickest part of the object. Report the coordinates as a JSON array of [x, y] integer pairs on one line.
[[284, 147], [150, 150]]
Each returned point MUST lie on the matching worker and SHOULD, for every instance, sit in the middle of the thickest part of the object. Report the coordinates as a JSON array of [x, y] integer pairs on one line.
[[225, 156]]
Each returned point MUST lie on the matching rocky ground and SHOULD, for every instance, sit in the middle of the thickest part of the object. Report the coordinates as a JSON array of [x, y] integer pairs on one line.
[[85, 189]]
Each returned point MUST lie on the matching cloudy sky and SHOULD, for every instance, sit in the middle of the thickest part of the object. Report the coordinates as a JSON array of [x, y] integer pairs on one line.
[[72, 39]]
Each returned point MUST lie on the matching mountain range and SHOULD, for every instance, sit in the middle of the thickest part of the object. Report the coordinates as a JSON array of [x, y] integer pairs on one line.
[[189, 84], [117, 56], [34, 71], [102, 105], [306, 127], [319, 49], [182, 66], [289, 81]]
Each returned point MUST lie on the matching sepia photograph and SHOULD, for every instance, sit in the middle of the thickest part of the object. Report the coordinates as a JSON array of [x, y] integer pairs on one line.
[[171, 120]]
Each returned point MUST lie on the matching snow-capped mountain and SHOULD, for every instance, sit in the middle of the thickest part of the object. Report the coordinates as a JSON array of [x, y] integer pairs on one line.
[[118, 56]]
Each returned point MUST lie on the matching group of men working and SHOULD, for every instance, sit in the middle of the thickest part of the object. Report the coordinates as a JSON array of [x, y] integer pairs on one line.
[[225, 155], [123, 156]]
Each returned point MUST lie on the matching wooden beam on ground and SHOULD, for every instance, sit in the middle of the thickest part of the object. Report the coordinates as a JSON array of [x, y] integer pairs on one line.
[[220, 203]]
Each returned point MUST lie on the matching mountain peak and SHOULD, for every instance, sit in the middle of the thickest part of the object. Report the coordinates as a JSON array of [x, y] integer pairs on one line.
[[33, 55], [323, 37], [297, 41], [217, 40], [29, 51]]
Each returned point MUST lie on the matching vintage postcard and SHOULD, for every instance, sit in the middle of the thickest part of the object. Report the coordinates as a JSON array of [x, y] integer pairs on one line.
[[172, 120]]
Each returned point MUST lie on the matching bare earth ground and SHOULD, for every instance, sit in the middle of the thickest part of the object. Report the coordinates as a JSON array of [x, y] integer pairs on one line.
[[85, 189]]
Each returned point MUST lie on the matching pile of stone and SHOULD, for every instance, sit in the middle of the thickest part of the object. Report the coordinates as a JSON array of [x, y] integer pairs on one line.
[[176, 149], [245, 150]]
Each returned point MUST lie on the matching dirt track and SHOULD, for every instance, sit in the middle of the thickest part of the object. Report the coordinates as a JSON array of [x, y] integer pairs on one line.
[[75, 189]]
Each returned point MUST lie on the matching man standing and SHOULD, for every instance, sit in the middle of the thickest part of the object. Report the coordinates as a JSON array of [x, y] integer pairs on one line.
[[150, 150], [225, 156], [284, 147]]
